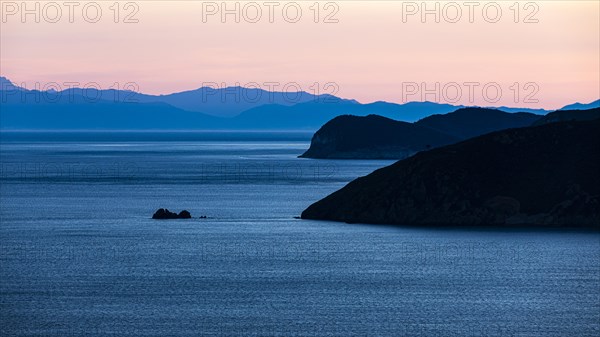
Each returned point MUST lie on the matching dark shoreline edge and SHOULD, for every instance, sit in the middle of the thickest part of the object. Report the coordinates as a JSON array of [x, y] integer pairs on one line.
[[473, 228]]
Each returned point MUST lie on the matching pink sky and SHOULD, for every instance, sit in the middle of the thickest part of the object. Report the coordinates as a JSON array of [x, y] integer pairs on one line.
[[370, 53]]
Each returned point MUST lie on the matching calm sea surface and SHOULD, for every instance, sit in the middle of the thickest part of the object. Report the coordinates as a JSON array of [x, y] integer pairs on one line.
[[80, 256]]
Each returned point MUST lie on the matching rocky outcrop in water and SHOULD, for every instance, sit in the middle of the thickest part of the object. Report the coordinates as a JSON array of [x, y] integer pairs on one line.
[[164, 213]]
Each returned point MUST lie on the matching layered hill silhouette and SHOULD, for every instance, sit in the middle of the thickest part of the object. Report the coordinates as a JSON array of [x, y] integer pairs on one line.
[[312, 115], [569, 115], [231, 101], [233, 108], [582, 106], [376, 137], [113, 109], [219, 102], [63, 112], [471, 122], [74, 112], [543, 175]]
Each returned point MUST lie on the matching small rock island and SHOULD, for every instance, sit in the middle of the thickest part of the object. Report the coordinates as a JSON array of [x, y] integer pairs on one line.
[[164, 213]]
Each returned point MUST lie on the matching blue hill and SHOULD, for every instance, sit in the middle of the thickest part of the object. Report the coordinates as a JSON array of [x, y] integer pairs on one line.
[[582, 106]]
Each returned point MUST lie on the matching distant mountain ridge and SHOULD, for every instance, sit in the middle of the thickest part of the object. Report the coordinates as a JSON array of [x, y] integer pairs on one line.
[[200, 109], [231, 101], [219, 102], [79, 108], [7, 85], [313, 115], [582, 106]]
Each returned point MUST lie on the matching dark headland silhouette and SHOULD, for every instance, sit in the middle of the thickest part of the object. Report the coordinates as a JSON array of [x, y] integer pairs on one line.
[[544, 175], [376, 137], [569, 115], [471, 122], [373, 137]]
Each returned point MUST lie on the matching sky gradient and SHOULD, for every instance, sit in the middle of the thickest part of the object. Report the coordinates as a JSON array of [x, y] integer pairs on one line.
[[376, 50]]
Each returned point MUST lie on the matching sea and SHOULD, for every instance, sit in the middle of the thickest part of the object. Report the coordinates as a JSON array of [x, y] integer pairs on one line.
[[81, 256]]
